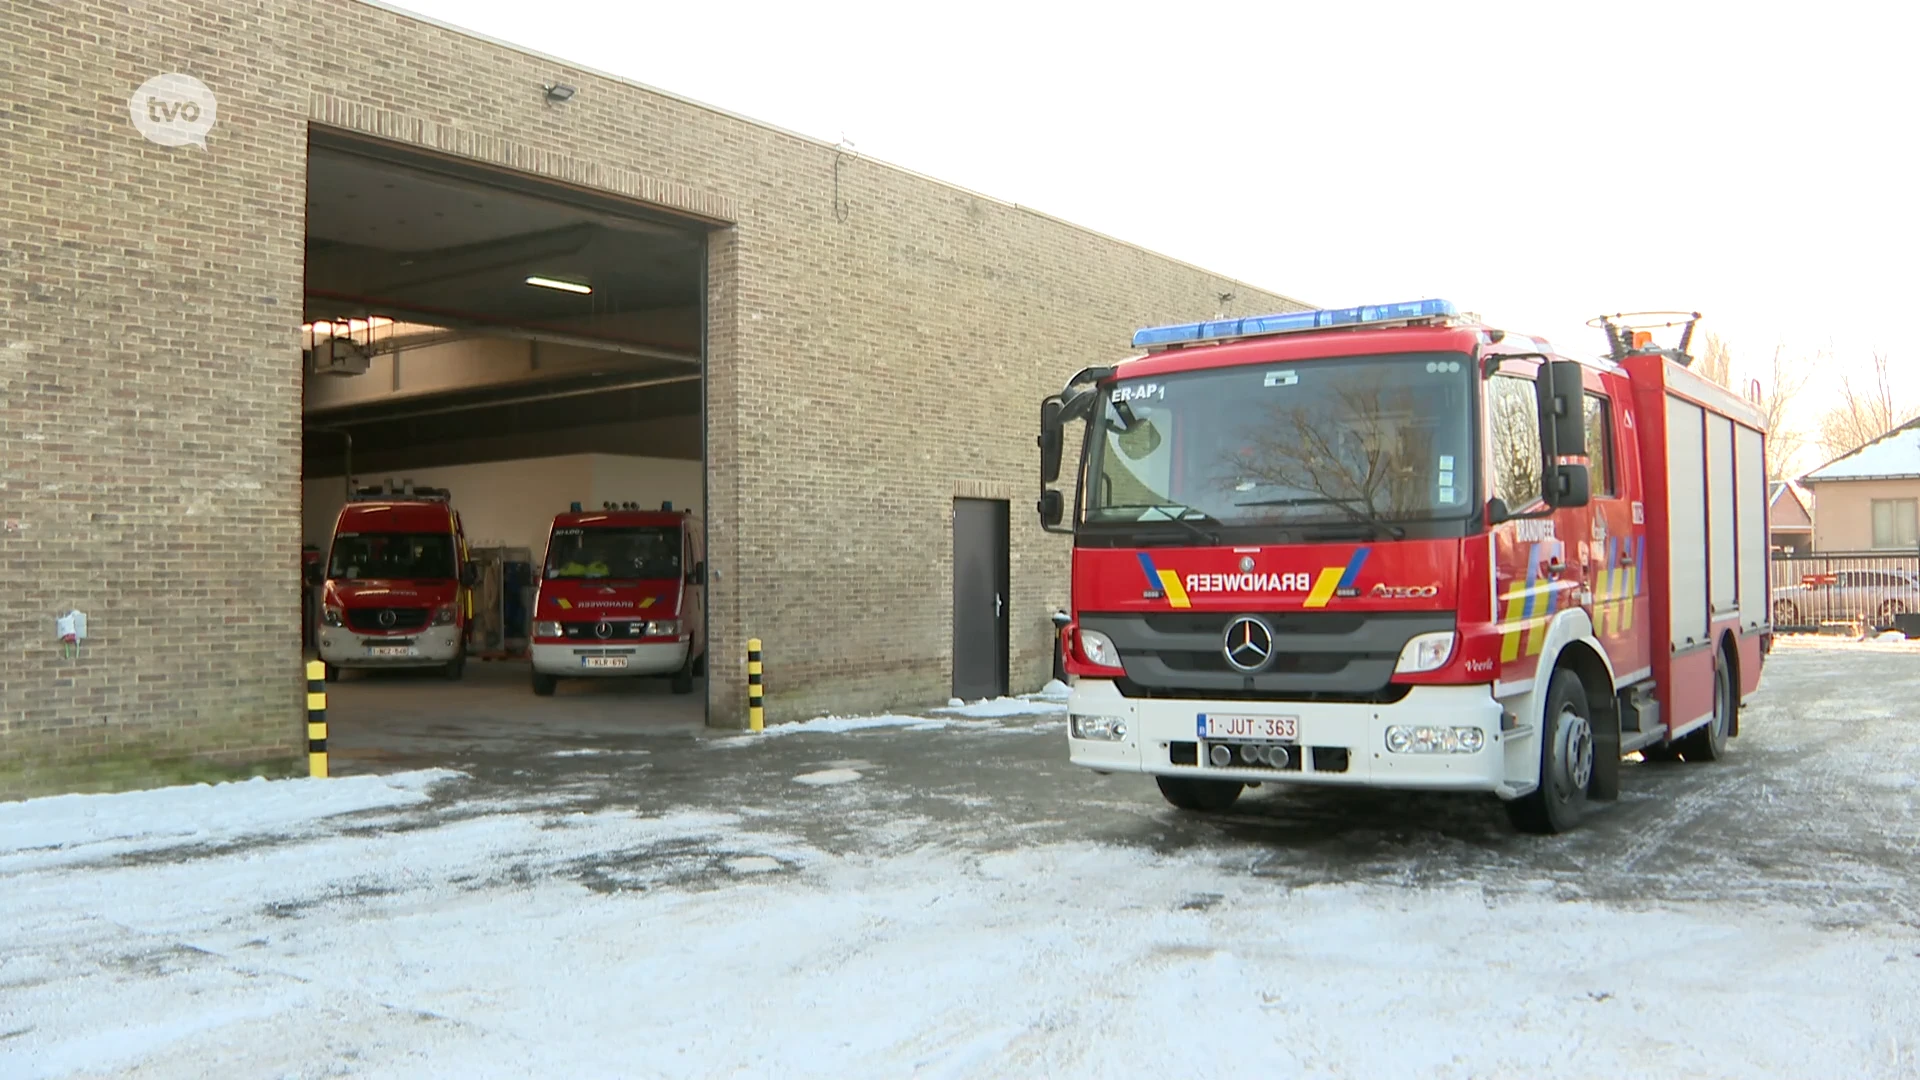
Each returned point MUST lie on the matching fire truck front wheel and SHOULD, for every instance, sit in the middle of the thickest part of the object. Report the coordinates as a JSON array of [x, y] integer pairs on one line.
[[1206, 796], [1566, 761], [543, 684]]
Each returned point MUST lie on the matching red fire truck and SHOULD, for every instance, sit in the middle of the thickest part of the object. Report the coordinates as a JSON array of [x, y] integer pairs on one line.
[[1395, 547], [397, 587], [623, 594]]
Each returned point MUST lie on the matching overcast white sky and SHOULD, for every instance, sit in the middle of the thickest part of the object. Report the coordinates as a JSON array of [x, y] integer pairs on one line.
[[1537, 163]]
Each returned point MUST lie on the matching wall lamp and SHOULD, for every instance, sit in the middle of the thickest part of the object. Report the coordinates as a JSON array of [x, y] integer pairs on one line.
[[558, 91]]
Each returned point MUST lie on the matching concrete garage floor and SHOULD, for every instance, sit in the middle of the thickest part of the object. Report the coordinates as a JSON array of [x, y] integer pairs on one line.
[[379, 721]]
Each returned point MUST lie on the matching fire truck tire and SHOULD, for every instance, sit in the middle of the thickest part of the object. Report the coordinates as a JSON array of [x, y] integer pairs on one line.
[[457, 667], [700, 663], [333, 673], [1709, 743], [1566, 761], [1205, 796], [543, 685], [683, 679]]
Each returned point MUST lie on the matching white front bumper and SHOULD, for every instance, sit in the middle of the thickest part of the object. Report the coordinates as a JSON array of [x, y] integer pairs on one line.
[[1507, 765], [427, 648], [651, 658]]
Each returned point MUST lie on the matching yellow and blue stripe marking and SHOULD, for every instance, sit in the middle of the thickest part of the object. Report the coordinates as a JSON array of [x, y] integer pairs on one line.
[[1613, 601], [1529, 609], [1165, 582], [1337, 580]]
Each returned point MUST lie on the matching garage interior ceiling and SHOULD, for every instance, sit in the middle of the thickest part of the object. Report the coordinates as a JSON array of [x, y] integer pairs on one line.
[[436, 252]]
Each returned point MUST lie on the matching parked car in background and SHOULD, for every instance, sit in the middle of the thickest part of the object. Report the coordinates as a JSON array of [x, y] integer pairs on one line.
[[1873, 596]]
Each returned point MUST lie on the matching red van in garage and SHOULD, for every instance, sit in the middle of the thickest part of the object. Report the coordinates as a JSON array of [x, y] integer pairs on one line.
[[622, 594], [398, 586]]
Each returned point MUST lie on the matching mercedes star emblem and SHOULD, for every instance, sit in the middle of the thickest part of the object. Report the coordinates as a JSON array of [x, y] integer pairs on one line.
[[388, 618], [604, 629], [1249, 643], [1246, 564]]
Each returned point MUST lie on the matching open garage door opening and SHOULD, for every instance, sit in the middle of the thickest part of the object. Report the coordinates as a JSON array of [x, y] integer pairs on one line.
[[503, 457]]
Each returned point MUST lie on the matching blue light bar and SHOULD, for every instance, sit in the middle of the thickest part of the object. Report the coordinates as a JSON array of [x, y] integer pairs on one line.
[[1291, 322]]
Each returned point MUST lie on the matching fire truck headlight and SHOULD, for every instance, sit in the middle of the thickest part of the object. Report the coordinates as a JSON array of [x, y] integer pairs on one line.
[[663, 628], [443, 615], [1434, 739], [1098, 649], [1102, 728], [332, 617], [1426, 652], [546, 628]]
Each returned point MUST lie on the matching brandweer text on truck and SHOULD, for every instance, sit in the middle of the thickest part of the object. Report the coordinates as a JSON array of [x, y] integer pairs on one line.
[[1393, 546]]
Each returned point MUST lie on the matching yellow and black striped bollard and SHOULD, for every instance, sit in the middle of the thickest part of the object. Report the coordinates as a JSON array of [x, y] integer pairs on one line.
[[316, 718], [756, 703]]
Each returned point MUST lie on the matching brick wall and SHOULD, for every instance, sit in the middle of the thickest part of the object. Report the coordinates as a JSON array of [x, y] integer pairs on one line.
[[877, 345]]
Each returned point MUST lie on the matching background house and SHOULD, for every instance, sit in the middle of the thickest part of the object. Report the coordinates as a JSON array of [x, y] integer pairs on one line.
[[1789, 523], [1869, 500]]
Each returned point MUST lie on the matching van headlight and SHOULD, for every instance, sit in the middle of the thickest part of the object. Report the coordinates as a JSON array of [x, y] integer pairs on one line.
[[443, 615], [663, 628], [1099, 728], [547, 628], [1426, 652]]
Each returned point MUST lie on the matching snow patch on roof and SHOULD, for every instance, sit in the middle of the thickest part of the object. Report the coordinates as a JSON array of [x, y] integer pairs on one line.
[[1895, 455]]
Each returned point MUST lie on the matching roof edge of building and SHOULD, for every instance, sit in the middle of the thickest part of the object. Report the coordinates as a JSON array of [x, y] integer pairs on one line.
[[452, 28], [1810, 481]]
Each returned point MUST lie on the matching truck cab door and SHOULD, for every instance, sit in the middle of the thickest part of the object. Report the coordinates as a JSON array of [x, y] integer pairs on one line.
[[1614, 544]]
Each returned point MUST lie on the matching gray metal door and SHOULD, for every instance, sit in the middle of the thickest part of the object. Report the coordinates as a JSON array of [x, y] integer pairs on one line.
[[981, 572]]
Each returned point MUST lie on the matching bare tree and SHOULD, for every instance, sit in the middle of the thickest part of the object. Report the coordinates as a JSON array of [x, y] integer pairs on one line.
[[1365, 448], [1716, 361], [1773, 390], [1867, 410], [1785, 380]]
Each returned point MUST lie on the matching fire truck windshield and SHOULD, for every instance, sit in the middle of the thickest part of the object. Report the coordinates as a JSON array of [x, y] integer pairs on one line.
[[1375, 441], [392, 557], [624, 554]]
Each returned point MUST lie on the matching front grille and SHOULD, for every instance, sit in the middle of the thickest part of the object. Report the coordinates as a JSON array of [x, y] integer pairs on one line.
[[1336, 656], [377, 621], [614, 630]]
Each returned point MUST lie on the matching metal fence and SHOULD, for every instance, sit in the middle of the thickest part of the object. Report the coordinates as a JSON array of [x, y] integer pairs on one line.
[[1868, 588]]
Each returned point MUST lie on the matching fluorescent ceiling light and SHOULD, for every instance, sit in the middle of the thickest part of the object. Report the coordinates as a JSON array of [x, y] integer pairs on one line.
[[563, 286]]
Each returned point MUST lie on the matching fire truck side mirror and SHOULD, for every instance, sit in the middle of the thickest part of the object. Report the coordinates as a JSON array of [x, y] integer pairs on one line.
[[1560, 386], [1052, 508], [314, 575], [469, 575], [1052, 439], [1570, 486]]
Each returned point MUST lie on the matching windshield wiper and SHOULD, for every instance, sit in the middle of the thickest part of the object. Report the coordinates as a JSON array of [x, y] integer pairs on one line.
[[1179, 515], [1364, 516]]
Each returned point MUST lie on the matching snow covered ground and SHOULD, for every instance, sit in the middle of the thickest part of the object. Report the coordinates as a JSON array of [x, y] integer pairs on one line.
[[416, 925]]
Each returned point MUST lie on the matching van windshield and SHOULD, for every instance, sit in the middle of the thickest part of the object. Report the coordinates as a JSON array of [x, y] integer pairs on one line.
[[392, 556], [621, 554]]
